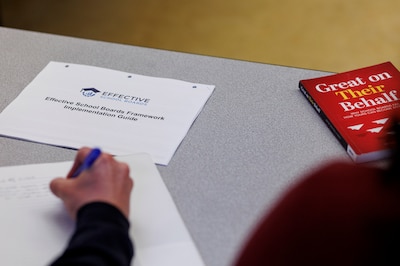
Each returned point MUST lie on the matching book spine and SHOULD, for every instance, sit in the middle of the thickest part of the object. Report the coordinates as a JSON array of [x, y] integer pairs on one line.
[[324, 117]]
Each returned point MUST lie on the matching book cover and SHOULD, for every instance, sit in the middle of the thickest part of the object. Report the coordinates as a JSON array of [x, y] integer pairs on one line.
[[358, 106]]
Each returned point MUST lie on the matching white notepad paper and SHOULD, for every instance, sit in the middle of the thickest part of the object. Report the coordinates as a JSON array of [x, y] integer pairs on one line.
[[35, 227]]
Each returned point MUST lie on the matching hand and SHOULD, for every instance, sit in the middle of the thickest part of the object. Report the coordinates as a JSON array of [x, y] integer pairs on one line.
[[106, 181]]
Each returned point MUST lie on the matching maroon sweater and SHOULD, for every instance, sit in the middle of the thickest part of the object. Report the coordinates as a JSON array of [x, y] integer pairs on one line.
[[343, 214]]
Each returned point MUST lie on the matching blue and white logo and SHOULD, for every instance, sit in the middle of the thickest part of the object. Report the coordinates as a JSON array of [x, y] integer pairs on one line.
[[89, 92]]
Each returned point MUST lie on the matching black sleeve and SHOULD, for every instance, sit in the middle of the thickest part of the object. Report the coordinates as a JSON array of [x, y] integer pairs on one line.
[[101, 238]]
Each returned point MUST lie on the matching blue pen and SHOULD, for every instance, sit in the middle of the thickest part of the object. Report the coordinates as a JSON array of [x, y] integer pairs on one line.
[[88, 162]]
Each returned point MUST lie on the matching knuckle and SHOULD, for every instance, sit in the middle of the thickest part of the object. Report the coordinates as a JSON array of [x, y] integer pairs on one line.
[[124, 168]]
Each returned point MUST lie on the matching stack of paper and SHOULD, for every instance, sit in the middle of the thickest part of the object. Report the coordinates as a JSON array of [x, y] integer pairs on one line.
[[35, 227], [73, 105]]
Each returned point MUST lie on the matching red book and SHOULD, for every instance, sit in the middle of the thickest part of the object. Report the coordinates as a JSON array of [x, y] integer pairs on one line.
[[358, 106]]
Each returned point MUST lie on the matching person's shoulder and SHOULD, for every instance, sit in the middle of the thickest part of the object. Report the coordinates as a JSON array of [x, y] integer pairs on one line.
[[343, 171], [338, 180]]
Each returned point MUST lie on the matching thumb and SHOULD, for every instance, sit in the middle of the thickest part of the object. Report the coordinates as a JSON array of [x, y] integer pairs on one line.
[[59, 186]]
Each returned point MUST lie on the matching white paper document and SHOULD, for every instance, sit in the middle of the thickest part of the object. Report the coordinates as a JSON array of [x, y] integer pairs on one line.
[[35, 227], [72, 105]]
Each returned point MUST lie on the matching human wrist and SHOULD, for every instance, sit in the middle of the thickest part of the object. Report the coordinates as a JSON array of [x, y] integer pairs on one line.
[[100, 211]]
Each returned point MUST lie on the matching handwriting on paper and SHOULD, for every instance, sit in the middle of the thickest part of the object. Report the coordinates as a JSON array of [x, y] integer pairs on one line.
[[30, 188]]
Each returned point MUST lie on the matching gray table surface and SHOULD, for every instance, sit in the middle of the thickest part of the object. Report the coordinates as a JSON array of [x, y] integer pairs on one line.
[[255, 137]]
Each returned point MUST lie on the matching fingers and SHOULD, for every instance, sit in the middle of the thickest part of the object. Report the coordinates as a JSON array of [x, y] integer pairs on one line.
[[107, 181], [79, 158], [58, 186]]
